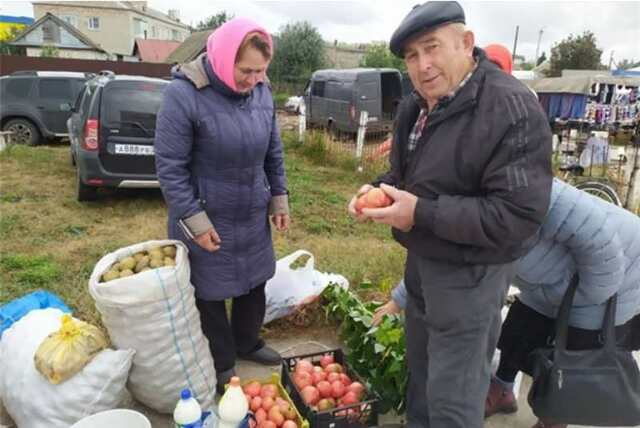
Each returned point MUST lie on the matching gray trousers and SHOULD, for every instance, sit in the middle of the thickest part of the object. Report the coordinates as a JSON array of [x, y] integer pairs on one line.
[[452, 328]]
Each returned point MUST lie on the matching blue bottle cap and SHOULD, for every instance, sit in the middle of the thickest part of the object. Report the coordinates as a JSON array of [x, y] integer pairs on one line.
[[185, 394]]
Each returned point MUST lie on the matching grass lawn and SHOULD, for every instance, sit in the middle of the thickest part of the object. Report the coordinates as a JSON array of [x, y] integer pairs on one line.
[[50, 241]]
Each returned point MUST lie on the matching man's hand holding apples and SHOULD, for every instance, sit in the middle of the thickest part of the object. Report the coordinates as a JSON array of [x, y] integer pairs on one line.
[[386, 205]]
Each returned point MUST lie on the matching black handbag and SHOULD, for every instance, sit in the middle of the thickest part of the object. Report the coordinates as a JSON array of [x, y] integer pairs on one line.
[[598, 387]]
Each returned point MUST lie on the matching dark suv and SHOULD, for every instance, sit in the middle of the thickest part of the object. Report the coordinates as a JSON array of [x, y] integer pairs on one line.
[[35, 105], [112, 130]]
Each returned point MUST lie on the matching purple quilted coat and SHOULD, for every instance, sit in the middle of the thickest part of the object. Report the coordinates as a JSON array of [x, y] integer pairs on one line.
[[219, 152]]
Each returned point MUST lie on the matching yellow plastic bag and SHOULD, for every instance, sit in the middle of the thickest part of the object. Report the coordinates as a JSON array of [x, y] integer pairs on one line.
[[65, 352]]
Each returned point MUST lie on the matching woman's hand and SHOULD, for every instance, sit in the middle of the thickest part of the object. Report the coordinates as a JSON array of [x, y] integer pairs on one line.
[[389, 308], [281, 222], [210, 241]]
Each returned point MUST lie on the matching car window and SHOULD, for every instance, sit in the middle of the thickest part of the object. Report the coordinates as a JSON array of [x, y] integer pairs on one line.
[[131, 104], [86, 99], [317, 88], [18, 88], [78, 102], [55, 89]]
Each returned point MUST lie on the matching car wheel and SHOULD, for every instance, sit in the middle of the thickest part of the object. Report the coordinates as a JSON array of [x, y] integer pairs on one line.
[[24, 132], [84, 192]]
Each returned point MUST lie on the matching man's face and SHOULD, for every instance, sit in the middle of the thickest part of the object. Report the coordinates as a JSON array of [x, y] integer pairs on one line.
[[438, 60]]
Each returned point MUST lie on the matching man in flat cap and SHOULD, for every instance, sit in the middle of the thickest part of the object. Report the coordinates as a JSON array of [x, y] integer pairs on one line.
[[470, 178]]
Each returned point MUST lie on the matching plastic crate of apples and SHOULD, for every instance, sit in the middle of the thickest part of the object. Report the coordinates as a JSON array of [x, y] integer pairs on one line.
[[327, 392], [271, 405]]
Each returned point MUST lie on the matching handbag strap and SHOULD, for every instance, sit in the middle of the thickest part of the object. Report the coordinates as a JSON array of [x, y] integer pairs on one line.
[[562, 320]]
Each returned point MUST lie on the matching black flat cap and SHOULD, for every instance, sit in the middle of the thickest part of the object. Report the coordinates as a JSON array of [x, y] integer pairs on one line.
[[423, 18]]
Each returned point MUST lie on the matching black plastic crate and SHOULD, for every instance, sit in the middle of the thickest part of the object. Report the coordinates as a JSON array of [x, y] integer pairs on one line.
[[362, 414]]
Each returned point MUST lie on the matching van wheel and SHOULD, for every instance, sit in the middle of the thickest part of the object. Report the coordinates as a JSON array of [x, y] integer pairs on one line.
[[84, 192], [24, 132]]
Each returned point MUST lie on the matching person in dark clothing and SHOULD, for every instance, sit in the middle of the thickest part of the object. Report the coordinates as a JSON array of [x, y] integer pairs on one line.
[[221, 169], [470, 180]]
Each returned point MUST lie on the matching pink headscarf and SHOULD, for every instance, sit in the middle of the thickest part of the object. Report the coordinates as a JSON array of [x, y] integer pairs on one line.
[[223, 45]]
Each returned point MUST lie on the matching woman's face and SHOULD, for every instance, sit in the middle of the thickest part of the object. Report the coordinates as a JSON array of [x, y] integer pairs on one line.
[[250, 69]]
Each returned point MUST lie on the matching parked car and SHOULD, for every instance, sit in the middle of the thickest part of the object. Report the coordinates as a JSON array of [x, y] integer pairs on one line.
[[335, 98], [35, 105], [112, 130]]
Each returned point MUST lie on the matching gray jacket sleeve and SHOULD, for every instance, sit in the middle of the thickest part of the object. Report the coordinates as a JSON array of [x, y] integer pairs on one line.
[[516, 183], [399, 294]]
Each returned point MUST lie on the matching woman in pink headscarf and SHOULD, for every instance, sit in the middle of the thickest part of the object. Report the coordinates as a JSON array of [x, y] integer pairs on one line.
[[220, 164]]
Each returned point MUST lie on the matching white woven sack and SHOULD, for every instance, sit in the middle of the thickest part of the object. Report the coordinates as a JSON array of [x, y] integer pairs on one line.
[[154, 313], [28, 396]]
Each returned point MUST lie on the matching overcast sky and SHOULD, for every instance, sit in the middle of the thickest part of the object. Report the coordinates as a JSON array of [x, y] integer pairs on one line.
[[616, 24]]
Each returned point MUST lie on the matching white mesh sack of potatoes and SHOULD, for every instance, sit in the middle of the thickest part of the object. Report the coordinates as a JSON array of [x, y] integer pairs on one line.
[[147, 303]]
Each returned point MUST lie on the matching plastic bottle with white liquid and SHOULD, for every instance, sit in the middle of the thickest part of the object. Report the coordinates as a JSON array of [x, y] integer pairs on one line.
[[233, 405], [187, 413]]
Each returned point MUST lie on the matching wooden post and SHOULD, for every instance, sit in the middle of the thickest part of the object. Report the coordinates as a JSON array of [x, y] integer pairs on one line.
[[362, 130], [302, 121]]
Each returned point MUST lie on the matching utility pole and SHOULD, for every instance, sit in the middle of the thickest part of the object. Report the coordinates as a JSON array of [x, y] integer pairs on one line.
[[611, 59], [538, 46], [515, 44]]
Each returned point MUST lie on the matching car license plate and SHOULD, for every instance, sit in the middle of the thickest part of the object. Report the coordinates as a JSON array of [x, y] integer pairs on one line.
[[133, 149]]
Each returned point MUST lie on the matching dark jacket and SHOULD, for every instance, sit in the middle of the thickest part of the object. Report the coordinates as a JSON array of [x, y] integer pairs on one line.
[[481, 170], [219, 160]]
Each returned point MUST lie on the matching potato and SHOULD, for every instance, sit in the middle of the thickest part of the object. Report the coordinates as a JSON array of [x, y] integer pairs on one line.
[[169, 250], [168, 261], [128, 263], [142, 263], [139, 256], [156, 263], [125, 273], [145, 269], [110, 275], [156, 253]]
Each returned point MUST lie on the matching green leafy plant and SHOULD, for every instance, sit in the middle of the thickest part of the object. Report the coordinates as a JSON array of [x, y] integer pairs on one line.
[[377, 353]]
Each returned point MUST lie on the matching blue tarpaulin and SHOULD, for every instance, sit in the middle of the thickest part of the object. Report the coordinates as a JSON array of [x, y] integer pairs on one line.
[[564, 106], [16, 309]]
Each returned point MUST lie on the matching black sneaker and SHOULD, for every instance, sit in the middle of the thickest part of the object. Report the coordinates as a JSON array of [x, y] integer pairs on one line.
[[265, 355], [223, 379]]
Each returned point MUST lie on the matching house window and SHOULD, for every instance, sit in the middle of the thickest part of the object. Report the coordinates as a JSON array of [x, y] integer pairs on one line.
[[175, 35], [94, 23], [70, 19], [139, 28], [50, 32], [154, 32]]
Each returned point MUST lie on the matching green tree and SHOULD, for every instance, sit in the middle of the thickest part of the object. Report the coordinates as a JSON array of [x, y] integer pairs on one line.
[[5, 48], [626, 64], [527, 66], [379, 56], [299, 52], [214, 21], [575, 52], [49, 51]]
